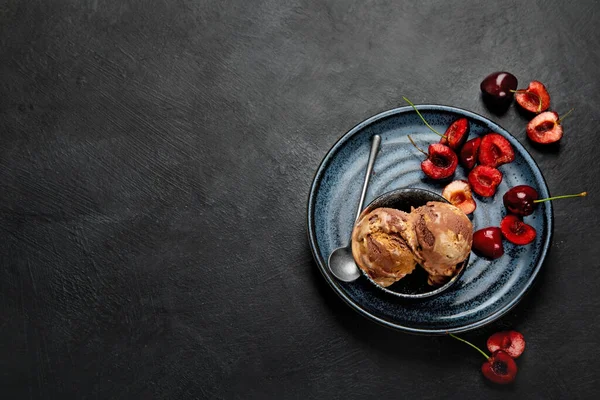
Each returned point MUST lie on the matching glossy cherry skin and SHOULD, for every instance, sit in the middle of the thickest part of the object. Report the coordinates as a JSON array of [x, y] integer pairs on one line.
[[519, 200], [500, 368], [456, 134], [487, 242], [469, 153], [498, 85]]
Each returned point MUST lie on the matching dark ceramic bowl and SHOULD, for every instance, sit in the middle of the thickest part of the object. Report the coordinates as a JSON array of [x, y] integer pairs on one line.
[[414, 285]]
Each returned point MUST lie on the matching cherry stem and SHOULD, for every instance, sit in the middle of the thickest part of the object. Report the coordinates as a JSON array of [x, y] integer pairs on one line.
[[566, 196], [422, 118], [564, 116], [528, 92], [470, 344], [418, 148]]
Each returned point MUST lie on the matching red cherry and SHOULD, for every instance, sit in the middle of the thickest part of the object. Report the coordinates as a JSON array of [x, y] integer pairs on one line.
[[487, 242], [498, 87], [495, 150], [469, 153], [519, 200], [516, 231], [500, 368], [456, 134], [485, 180], [511, 342], [546, 128], [535, 98], [441, 161]]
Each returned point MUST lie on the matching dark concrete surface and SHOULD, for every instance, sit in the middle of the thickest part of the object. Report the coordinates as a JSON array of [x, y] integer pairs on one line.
[[155, 161]]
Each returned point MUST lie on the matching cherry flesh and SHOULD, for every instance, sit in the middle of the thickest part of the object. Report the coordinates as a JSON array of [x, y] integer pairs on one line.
[[441, 161], [484, 180], [535, 98], [495, 150], [459, 194], [511, 342], [545, 128], [500, 368], [516, 231]]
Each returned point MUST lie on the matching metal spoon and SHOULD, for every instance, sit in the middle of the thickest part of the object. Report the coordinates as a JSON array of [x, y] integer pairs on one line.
[[341, 263]]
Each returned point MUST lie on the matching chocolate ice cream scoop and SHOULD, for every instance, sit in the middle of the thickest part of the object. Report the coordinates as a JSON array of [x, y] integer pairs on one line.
[[444, 238], [385, 236], [382, 243]]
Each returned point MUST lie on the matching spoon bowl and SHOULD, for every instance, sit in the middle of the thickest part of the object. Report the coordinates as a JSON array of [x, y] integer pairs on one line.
[[345, 268]]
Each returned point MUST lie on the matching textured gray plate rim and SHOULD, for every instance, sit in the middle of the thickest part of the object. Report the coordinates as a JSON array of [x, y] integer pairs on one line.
[[322, 264]]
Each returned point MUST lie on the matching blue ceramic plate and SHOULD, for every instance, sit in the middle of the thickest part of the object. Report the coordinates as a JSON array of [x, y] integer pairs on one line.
[[487, 289]]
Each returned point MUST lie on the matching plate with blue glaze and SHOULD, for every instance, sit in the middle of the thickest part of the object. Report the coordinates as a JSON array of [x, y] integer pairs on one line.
[[487, 289]]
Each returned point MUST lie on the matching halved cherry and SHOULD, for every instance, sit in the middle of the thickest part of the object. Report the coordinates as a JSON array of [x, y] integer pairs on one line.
[[441, 161], [459, 194], [495, 150], [456, 134], [485, 180], [487, 242], [546, 128], [470, 152], [511, 342], [499, 367], [516, 231], [535, 98]]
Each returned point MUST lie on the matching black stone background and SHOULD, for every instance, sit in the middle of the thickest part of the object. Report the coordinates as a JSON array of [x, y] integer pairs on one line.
[[155, 162]]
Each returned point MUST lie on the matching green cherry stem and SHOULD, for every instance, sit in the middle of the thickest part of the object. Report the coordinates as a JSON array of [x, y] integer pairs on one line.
[[418, 148], [566, 196], [422, 118], [564, 116], [470, 344]]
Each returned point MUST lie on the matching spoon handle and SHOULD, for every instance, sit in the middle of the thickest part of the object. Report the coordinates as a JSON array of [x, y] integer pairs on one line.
[[372, 157]]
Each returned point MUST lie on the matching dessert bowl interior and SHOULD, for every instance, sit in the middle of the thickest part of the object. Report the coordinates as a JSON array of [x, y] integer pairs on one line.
[[414, 285]]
